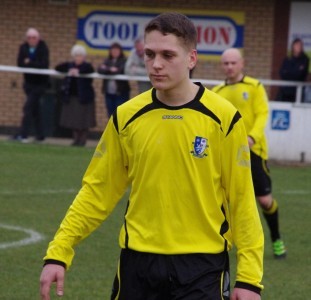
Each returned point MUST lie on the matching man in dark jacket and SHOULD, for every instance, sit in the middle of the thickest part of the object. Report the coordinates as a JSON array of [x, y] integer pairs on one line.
[[33, 53]]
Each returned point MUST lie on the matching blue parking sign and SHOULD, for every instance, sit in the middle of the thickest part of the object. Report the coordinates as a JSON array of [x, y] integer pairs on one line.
[[280, 119]]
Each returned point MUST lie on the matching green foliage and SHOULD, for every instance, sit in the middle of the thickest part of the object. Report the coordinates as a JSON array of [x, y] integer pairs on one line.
[[38, 183]]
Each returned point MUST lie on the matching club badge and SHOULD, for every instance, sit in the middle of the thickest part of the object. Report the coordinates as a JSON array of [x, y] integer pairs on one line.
[[200, 145]]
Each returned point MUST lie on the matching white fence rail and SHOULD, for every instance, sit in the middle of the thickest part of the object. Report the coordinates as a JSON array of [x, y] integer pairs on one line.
[[288, 128], [209, 82]]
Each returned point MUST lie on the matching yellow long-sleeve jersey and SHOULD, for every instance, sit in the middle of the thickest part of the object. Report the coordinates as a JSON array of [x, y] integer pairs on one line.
[[190, 184], [250, 99]]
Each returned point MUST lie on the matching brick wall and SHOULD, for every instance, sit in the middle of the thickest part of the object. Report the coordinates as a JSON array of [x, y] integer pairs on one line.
[[281, 25], [57, 25]]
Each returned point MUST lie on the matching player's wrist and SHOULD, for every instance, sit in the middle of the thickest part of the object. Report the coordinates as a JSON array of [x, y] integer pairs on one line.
[[248, 286], [54, 262]]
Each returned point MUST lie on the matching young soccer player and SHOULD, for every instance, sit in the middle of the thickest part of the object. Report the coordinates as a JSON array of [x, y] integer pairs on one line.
[[183, 151], [249, 97]]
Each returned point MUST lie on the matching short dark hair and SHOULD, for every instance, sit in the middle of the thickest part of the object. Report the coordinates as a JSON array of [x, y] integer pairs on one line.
[[176, 24], [117, 46], [297, 41]]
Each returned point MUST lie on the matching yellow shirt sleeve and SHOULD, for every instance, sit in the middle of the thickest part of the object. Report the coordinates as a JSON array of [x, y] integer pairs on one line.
[[245, 224], [96, 199], [260, 112]]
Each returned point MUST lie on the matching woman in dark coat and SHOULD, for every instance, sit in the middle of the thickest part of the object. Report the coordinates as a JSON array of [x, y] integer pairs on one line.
[[116, 92], [294, 68], [78, 96]]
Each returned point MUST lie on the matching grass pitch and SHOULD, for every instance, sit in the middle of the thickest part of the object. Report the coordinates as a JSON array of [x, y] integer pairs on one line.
[[38, 183]]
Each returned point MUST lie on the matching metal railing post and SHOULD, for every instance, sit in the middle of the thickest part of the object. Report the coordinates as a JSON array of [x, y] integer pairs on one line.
[[299, 94]]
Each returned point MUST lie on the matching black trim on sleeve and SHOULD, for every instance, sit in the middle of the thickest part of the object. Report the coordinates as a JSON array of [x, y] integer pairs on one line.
[[198, 106], [54, 262], [204, 110], [149, 107], [125, 226], [247, 286], [115, 120], [235, 119]]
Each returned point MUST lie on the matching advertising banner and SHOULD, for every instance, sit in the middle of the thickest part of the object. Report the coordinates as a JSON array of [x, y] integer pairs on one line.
[[100, 26]]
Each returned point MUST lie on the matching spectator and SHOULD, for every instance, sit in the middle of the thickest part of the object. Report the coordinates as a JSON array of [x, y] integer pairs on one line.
[[78, 96], [135, 65], [249, 97], [33, 53], [116, 92], [294, 68], [183, 151]]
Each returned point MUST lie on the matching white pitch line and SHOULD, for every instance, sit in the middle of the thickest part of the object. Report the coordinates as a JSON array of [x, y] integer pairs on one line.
[[37, 192], [70, 191], [33, 237], [295, 192]]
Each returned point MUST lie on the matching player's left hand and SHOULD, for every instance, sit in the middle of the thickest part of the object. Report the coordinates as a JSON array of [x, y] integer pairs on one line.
[[251, 141], [243, 294]]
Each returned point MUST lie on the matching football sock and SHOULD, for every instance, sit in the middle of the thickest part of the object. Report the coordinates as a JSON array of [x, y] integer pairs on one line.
[[272, 218]]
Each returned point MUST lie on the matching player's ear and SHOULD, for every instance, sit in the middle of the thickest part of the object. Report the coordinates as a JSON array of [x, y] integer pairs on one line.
[[193, 58]]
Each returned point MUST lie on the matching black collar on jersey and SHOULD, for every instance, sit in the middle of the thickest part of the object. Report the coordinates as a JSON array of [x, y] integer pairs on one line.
[[194, 104], [159, 104], [240, 81], [156, 104]]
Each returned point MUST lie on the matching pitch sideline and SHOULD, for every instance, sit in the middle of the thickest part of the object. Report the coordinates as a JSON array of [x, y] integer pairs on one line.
[[33, 237], [38, 192]]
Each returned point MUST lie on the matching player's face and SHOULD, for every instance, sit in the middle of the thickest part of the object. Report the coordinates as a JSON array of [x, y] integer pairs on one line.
[[167, 60], [232, 65]]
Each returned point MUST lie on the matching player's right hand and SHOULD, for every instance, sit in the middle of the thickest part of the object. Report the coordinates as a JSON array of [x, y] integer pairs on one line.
[[52, 273]]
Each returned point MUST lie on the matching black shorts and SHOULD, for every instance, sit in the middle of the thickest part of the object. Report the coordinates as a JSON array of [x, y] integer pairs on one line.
[[261, 175], [147, 276]]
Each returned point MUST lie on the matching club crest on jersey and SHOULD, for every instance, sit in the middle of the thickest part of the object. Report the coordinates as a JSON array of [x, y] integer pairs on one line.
[[245, 95], [200, 145]]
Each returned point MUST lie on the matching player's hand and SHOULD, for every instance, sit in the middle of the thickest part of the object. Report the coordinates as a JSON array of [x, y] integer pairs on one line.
[[52, 273], [243, 294], [251, 141]]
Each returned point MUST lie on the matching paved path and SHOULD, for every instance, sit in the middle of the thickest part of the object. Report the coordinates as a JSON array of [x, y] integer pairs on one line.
[[53, 141]]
